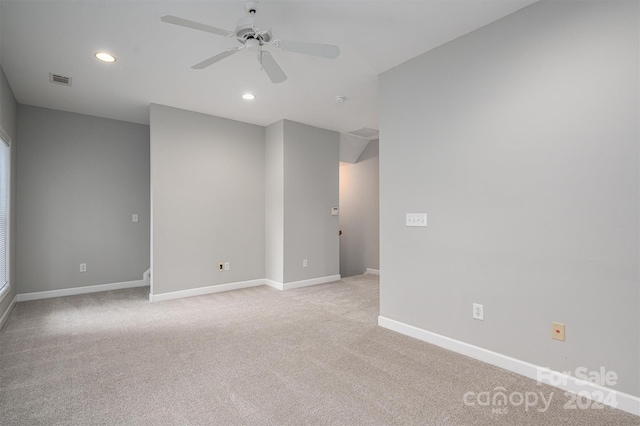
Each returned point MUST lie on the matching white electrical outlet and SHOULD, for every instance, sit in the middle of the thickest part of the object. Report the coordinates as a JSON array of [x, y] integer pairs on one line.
[[305, 263], [83, 267], [227, 266], [478, 311], [134, 217]]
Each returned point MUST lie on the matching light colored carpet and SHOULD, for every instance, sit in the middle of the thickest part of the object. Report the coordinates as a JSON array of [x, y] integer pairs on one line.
[[257, 356]]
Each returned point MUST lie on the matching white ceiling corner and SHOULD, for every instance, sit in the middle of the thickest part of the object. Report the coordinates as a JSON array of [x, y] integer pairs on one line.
[[351, 147]]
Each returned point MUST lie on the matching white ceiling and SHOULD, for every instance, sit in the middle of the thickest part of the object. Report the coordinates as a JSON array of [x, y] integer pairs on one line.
[[154, 58]]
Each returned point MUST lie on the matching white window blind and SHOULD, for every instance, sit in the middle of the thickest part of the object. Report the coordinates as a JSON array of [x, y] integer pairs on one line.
[[5, 161]]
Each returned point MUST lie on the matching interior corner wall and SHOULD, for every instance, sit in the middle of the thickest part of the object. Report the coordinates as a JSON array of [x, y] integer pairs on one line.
[[359, 213], [311, 172], [8, 121], [274, 202], [79, 180], [208, 200], [521, 142]]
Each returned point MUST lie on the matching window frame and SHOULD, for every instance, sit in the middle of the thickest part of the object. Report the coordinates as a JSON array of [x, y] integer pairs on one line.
[[4, 291]]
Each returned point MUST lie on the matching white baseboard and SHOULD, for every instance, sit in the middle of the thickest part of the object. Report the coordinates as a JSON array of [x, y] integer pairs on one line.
[[619, 400], [6, 314], [312, 281], [372, 271], [200, 291], [25, 297], [274, 284], [303, 283]]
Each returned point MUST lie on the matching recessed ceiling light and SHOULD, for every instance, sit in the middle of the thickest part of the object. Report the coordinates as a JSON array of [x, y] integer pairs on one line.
[[248, 96], [105, 57]]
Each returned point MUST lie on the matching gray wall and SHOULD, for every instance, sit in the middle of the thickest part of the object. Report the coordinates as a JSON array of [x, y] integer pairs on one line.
[[360, 213], [207, 185], [520, 140], [79, 180], [311, 163], [8, 115], [274, 200]]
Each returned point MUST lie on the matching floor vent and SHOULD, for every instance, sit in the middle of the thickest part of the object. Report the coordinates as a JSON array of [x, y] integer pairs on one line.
[[59, 79]]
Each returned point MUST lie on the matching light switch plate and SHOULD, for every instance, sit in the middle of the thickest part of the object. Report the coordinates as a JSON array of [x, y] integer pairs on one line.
[[478, 311], [416, 219]]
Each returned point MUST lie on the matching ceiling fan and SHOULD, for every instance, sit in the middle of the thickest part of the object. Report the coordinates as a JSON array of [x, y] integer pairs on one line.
[[254, 39]]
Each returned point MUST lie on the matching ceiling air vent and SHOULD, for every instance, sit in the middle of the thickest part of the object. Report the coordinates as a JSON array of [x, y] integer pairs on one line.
[[59, 79], [365, 133]]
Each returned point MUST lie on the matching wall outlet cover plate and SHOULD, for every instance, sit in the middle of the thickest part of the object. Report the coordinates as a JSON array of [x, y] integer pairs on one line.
[[557, 331]]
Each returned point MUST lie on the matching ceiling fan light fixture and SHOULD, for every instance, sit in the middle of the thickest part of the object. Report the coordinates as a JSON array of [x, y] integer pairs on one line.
[[248, 96], [252, 44], [105, 57]]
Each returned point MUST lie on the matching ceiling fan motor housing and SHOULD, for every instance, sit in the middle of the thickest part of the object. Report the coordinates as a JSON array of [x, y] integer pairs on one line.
[[245, 31]]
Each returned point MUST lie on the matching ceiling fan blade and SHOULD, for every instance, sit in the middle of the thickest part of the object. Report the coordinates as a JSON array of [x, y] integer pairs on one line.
[[272, 68], [214, 59], [314, 49], [170, 19]]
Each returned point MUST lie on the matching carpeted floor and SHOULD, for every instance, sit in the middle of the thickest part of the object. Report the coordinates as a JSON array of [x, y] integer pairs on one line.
[[257, 356]]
